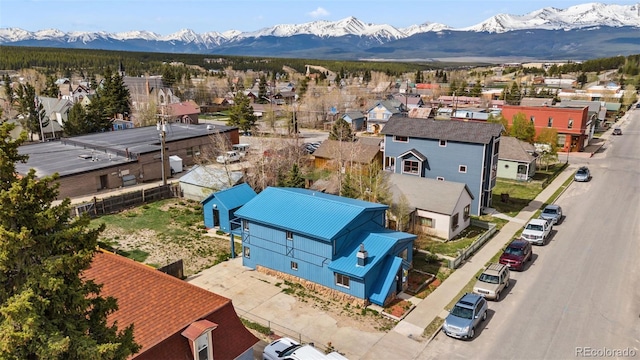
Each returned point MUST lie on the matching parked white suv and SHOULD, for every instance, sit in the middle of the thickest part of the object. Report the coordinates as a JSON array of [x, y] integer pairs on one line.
[[289, 349], [229, 157]]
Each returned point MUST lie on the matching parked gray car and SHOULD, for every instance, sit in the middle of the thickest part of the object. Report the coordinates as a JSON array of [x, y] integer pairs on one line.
[[552, 212], [465, 316], [583, 174]]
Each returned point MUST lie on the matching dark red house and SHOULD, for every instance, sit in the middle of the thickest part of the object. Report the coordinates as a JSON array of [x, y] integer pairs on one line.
[[572, 124]]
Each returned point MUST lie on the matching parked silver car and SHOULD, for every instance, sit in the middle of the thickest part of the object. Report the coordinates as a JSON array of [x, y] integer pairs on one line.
[[552, 212], [465, 316], [583, 174]]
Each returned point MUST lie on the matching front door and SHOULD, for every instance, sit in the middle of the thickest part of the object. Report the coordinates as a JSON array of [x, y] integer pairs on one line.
[[103, 182], [216, 217]]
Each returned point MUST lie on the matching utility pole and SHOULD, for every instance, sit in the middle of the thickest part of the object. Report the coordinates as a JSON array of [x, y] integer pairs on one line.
[[161, 127]]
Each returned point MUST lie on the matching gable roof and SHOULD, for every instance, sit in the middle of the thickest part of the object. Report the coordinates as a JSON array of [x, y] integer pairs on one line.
[[304, 211], [462, 131], [428, 194], [515, 149], [356, 151], [233, 197], [353, 115], [183, 108], [210, 177], [377, 245], [415, 153], [161, 306]]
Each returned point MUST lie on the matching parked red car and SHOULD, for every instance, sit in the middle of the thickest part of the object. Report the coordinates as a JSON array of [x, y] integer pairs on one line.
[[516, 254]]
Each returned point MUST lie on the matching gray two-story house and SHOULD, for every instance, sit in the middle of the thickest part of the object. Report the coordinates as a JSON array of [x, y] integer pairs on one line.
[[447, 150]]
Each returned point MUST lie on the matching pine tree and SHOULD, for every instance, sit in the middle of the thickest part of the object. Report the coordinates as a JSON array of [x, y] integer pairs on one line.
[[241, 113], [341, 131], [262, 90], [348, 188], [47, 310], [294, 178], [75, 124]]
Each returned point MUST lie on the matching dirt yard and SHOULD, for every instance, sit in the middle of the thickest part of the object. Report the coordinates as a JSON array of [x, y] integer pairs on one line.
[[160, 233]]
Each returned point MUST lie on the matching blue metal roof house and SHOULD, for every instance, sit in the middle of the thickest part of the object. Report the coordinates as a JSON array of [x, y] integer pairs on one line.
[[339, 243], [219, 207]]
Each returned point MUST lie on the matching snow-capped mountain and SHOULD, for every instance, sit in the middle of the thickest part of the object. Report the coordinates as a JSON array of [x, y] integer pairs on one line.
[[574, 17], [349, 38]]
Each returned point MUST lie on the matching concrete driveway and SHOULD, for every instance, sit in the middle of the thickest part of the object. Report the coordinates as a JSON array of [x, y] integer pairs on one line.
[[258, 298]]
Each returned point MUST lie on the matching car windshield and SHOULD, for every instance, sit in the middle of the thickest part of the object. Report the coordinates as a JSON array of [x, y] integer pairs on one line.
[[549, 211], [513, 251], [462, 312], [491, 279], [288, 351], [534, 227], [582, 172]]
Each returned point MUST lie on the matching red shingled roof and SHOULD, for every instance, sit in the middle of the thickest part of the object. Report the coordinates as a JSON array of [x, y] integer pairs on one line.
[[161, 307]]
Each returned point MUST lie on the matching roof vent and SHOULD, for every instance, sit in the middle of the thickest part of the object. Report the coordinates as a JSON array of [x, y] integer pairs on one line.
[[362, 256]]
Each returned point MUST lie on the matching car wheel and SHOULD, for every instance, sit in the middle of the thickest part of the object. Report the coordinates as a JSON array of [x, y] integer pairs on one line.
[[472, 332], [484, 316], [507, 284], [497, 299]]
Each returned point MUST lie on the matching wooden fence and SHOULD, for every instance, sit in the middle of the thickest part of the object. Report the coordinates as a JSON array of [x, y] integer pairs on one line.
[[471, 249], [116, 203]]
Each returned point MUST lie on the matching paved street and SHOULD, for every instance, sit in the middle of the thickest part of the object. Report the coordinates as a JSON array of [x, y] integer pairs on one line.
[[583, 289]]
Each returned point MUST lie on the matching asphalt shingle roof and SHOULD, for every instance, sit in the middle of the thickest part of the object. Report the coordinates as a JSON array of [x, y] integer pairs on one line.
[[453, 130], [427, 194], [516, 149]]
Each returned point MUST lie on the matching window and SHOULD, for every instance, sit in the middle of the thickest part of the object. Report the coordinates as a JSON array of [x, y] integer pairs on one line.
[[342, 280], [247, 252], [189, 151], [294, 266], [570, 124], [440, 178], [245, 225], [443, 143], [203, 347], [404, 254], [400, 138], [289, 235], [462, 168], [467, 212], [496, 147], [532, 119], [410, 167], [427, 222], [390, 163], [454, 222], [562, 138], [550, 122]]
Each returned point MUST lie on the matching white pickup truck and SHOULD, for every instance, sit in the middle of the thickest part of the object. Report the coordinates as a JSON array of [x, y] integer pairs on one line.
[[537, 231]]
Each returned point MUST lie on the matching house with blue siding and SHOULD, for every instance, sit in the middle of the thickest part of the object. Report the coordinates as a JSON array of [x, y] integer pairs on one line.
[[219, 207], [447, 150], [355, 119], [338, 243]]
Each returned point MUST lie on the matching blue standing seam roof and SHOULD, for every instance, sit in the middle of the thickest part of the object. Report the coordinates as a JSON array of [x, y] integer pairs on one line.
[[381, 288], [377, 246], [306, 212], [233, 197]]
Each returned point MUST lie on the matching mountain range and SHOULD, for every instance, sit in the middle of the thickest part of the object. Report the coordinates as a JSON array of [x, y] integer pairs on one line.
[[579, 32]]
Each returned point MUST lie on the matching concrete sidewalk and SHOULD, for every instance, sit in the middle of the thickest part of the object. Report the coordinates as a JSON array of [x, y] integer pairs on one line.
[[407, 333]]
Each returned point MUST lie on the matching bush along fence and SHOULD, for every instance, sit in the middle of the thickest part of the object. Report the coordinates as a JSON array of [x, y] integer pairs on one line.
[[116, 203], [471, 249]]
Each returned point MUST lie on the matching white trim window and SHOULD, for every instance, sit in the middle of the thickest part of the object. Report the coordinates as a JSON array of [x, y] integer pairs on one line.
[[398, 138], [342, 280], [204, 347], [440, 178], [411, 167]]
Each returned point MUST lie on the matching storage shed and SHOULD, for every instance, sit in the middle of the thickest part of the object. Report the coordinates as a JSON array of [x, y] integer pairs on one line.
[[219, 207], [175, 162]]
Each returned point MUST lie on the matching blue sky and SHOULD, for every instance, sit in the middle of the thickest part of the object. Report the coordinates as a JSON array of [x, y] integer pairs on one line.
[[166, 17]]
